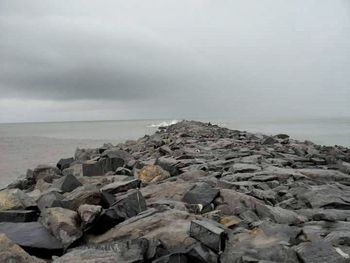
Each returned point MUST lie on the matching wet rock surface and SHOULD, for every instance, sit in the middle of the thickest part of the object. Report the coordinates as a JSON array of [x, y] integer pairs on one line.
[[191, 192]]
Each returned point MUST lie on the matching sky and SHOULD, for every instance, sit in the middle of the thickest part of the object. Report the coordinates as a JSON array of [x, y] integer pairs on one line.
[[136, 59]]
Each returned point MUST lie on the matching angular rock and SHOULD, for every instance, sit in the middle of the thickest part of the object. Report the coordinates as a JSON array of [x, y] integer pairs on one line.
[[257, 246], [80, 196], [50, 199], [10, 252], [126, 206], [209, 233], [88, 213], [153, 224], [202, 194], [268, 141], [66, 183], [244, 168], [318, 251], [152, 174], [64, 163], [169, 164], [101, 167], [130, 251], [123, 186], [46, 173], [17, 216], [13, 199], [64, 224], [194, 253], [33, 237]]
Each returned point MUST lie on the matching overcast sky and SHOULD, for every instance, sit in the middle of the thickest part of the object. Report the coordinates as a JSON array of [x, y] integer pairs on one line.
[[88, 60]]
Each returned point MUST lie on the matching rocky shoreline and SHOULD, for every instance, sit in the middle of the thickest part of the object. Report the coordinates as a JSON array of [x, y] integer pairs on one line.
[[191, 192]]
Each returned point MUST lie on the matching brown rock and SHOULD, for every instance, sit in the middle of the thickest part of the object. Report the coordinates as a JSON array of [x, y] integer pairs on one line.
[[152, 174]]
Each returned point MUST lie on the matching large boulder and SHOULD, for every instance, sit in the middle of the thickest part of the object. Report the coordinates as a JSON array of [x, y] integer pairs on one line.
[[257, 246], [319, 251], [102, 166], [64, 224], [46, 172], [12, 253], [50, 199], [82, 195], [202, 194], [12, 199], [33, 237], [88, 213], [209, 233], [66, 183], [152, 174], [126, 206], [153, 224], [120, 154], [123, 186], [129, 251], [170, 164], [64, 163]]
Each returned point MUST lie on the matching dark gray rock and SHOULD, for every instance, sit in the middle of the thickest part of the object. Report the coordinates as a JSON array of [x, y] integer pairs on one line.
[[268, 140], [80, 196], [169, 164], [201, 193], [17, 216], [64, 163], [50, 199], [244, 168], [123, 186], [66, 183], [208, 233], [46, 173], [102, 166], [318, 251], [127, 158], [129, 251], [126, 206], [33, 237]]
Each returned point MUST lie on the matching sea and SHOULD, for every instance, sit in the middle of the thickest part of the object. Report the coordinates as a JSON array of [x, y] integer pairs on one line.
[[25, 145]]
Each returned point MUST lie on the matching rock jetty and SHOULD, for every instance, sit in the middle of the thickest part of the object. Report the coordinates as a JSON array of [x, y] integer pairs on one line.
[[191, 192]]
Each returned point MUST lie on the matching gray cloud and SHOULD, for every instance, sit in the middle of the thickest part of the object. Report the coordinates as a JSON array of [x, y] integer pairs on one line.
[[165, 58]]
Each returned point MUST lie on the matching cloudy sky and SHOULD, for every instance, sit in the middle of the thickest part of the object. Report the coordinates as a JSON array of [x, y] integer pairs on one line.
[[88, 60]]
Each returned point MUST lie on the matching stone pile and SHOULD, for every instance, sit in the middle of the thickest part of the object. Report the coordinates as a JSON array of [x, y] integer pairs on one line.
[[191, 192]]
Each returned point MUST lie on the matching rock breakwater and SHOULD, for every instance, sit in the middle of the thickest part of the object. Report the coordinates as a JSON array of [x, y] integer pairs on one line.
[[191, 192]]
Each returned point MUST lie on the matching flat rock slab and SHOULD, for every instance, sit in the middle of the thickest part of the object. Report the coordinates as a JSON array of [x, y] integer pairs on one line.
[[115, 252], [17, 216], [117, 187], [318, 251], [31, 235], [12, 253]]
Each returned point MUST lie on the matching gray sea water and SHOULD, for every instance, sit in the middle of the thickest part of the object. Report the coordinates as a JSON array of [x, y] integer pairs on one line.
[[25, 145]]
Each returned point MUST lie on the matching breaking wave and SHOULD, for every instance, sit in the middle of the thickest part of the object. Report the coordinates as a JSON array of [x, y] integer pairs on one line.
[[163, 124]]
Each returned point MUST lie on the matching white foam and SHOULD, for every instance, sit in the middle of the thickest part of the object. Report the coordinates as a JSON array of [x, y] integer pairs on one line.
[[163, 124]]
